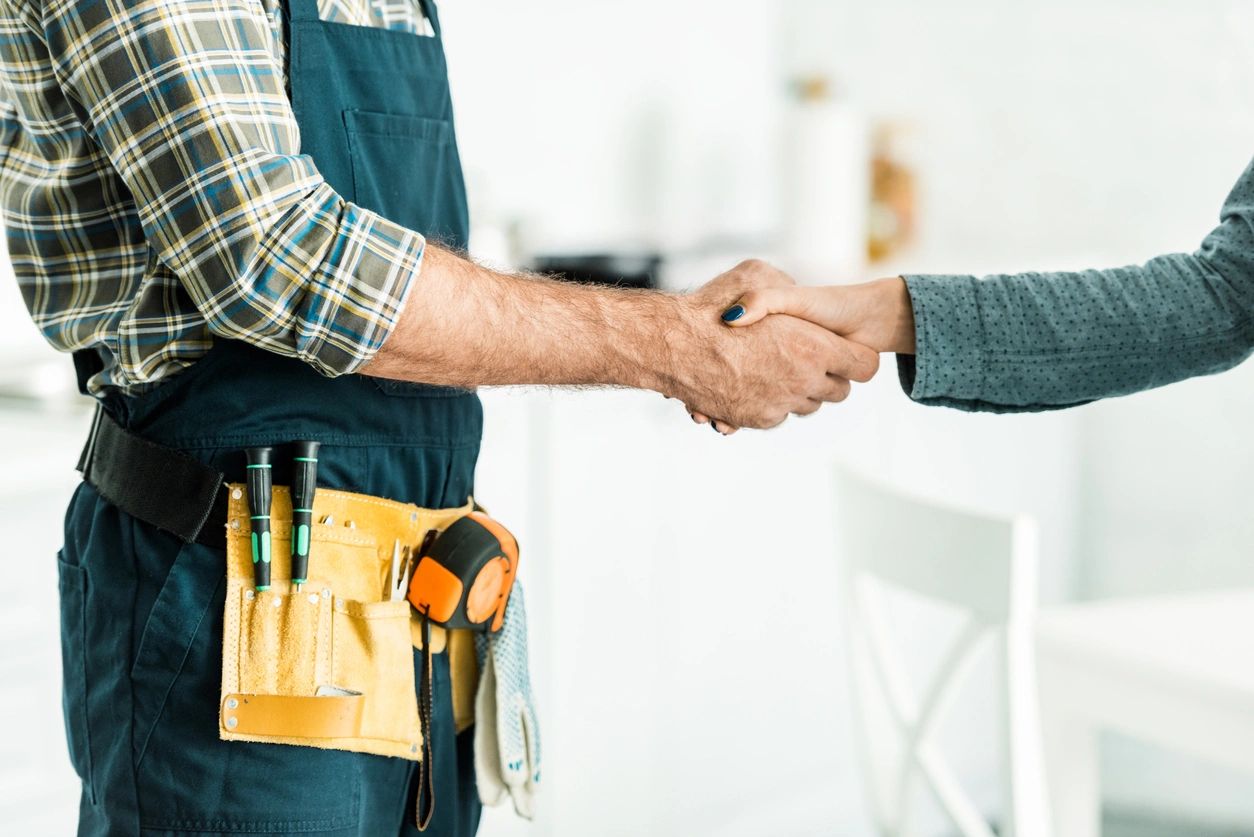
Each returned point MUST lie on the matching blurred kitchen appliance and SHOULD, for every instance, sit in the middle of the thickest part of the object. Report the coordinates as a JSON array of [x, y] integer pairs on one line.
[[624, 270]]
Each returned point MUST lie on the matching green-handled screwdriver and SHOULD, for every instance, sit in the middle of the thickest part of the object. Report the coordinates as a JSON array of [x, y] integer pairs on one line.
[[304, 484], [259, 485]]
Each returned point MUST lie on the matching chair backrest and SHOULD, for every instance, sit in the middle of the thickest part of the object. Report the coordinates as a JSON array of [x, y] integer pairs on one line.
[[985, 566]]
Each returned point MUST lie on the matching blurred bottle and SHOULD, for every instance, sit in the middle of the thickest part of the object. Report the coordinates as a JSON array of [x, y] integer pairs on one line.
[[826, 185], [891, 220]]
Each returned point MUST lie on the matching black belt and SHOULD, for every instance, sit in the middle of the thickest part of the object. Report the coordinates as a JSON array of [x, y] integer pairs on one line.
[[161, 486]]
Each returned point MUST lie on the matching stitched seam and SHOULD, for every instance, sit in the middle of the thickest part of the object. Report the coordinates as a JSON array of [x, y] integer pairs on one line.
[[435, 443], [322, 537], [250, 826], [922, 367], [383, 502], [391, 505], [178, 673]]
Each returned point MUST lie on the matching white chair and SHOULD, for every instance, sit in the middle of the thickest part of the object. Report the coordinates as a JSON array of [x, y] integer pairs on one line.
[[984, 566]]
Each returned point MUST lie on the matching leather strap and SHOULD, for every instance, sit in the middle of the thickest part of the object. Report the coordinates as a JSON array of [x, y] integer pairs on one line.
[[424, 804], [286, 716]]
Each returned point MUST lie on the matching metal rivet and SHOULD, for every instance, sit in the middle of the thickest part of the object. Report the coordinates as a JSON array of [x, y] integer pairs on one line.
[[232, 703], [278, 602], [235, 525], [236, 494], [350, 524], [413, 748], [326, 592], [232, 723], [328, 520], [313, 598], [413, 515], [250, 595]]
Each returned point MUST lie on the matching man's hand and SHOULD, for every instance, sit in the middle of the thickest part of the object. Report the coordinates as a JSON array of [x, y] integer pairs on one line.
[[782, 366], [875, 314]]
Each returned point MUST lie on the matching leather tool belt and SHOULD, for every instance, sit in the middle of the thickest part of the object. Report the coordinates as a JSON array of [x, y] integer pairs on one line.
[[332, 665]]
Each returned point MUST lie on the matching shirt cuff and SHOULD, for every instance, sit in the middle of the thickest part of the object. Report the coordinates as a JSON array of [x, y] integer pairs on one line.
[[948, 364], [362, 292]]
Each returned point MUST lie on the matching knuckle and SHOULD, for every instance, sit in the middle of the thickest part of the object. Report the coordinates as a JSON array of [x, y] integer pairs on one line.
[[869, 364]]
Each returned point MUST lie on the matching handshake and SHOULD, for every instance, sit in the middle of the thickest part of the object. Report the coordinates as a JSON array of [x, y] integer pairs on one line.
[[762, 348]]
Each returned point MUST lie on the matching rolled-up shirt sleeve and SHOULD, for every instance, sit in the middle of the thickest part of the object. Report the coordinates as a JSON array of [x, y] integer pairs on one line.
[[188, 103], [1041, 341]]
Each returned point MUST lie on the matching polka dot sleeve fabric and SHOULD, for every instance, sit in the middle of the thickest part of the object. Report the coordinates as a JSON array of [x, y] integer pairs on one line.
[[1044, 341]]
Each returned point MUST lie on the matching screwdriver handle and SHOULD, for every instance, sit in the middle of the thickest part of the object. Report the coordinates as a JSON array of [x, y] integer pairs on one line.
[[260, 482], [304, 485]]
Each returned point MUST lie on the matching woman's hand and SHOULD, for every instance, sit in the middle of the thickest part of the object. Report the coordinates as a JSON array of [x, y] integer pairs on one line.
[[875, 314]]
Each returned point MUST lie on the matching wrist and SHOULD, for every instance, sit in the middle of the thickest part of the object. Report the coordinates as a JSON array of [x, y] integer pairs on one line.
[[637, 341], [890, 309]]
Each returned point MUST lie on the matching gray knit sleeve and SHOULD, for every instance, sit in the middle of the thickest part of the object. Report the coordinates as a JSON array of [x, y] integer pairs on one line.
[[1041, 341]]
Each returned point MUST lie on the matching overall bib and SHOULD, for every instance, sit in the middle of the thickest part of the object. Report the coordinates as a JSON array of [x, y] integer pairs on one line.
[[142, 611]]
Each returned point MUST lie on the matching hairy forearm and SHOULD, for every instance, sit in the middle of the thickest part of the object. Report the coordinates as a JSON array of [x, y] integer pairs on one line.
[[465, 325]]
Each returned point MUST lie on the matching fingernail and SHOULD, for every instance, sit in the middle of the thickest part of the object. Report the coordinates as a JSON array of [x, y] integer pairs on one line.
[[694, 418], [734, 313]]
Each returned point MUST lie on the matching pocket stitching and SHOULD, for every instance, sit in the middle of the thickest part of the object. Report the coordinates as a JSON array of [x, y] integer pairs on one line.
[[353, 130], [165, 697], [79, 585], [367, 613], [432, 129]]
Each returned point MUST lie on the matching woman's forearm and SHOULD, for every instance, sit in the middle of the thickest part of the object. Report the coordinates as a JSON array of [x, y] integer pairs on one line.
[[1053, 340], [1036, 341]]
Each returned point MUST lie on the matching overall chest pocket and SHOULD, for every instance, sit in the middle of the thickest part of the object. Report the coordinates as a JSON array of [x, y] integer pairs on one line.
[[404, 168]]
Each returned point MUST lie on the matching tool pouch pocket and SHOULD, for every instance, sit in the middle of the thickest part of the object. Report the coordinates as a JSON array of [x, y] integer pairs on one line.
[[332, 665]]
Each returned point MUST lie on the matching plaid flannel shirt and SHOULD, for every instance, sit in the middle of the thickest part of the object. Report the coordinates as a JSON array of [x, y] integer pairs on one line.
[[154, 194]]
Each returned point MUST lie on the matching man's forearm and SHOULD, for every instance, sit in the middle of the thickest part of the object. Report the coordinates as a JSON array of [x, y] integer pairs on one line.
[[466, 325]]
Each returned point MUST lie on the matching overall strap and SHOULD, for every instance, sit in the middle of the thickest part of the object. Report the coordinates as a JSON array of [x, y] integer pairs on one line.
[[303, 9], [428, 9]]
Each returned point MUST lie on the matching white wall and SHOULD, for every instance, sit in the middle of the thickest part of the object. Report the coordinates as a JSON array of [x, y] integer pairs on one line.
[[602, 121], [1069, 134]]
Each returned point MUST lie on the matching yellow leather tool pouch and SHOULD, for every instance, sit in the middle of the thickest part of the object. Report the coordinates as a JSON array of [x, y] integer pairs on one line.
[[330, 666]]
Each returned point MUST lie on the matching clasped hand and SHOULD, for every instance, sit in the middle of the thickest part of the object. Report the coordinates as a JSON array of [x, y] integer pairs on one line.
[[767, 348]]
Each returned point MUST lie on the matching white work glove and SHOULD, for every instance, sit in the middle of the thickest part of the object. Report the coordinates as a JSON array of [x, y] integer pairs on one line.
[[507, 734]]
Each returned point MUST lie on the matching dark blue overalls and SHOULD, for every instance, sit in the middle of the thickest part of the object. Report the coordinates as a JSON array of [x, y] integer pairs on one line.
[[142, 611]]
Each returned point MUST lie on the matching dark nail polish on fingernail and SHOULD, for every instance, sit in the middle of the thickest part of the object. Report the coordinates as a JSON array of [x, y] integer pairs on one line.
[[734, 313]]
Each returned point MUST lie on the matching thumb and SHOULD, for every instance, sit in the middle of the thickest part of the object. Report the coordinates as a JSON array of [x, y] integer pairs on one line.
[[756, 304]]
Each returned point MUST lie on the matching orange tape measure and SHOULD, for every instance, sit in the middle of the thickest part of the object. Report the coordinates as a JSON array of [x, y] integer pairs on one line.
[[464, 577]]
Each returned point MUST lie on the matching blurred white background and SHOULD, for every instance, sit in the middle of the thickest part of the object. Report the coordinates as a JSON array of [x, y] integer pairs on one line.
[[686, 657]]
